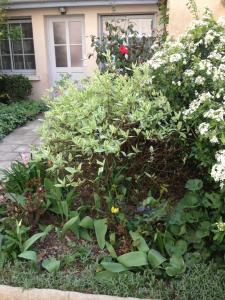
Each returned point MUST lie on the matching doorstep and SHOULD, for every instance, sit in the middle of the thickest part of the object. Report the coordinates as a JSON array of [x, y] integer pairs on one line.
[[14, 293]]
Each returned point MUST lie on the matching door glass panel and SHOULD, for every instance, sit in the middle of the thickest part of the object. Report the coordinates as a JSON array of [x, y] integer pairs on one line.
[[61, 56], [59, 30], [76, 56], [75, 31]]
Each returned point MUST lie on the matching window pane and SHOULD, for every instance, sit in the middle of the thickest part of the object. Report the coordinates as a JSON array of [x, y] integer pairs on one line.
[[17, 47], [59, 29], [142, 24], [29, 62], [61, 56], [28, 46], [18, 62], [27, 30], [76, 56], [6, 63], [4, 45], [75, 30], [15, 30]]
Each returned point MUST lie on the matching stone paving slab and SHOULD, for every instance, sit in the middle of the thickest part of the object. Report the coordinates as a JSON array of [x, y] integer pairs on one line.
[[14, 293], [18, 142]]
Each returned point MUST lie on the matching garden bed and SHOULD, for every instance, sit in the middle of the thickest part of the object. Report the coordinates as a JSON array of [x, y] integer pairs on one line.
[[18, 113], [125, 196]]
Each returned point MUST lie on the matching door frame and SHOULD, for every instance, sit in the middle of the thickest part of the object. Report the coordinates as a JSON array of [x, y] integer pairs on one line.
[[51, 49]]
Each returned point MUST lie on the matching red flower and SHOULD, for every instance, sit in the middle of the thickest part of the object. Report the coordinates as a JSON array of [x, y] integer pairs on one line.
[[123, 50]]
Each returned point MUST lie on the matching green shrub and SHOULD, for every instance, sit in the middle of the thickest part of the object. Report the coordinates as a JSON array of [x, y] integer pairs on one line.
[[14, 87], [190, 73], [17, 114], [120, 48]]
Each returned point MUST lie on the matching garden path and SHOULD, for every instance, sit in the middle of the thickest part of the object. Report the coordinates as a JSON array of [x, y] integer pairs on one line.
[[18, 142]]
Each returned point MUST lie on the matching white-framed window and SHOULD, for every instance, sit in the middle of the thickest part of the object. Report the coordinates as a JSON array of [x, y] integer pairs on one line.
[[143, 24], [17, 54]]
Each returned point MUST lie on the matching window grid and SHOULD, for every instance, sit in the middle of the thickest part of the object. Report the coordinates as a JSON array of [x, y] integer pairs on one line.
[[12, 53]]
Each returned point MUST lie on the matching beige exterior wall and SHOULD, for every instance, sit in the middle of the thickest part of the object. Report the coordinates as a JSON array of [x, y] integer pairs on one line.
[[91, 16], [180, 16]]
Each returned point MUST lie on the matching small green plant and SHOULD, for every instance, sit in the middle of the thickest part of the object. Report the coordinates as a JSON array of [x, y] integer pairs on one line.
[[14, 87], [15, 241]]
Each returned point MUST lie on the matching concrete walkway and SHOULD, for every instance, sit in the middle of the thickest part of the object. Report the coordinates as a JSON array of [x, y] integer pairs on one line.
[[19, 141]]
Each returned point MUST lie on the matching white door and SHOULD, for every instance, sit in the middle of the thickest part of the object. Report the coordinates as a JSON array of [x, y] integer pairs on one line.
[[66, 47]]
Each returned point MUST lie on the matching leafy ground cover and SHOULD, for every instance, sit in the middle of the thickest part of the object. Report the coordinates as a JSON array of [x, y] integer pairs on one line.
[[133, 165], [17, 114], [204, 281]]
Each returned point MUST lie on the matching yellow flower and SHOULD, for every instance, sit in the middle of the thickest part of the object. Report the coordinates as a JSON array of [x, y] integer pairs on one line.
[[114, 210]]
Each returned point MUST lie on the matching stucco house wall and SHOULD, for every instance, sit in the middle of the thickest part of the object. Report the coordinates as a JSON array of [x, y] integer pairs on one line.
[[91, 15], [180, 16]]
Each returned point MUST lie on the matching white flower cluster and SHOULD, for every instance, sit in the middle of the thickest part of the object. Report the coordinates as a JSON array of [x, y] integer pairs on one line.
[[200, 80], [202, 51], [218, 170], [215, 114], [220, 226], [203, 128], [175, 57], [195, 104]]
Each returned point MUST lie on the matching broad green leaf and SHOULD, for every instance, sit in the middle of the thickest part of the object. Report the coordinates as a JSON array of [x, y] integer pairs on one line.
[[194, 185], [85, 235], [28, 243], [51, 265], [191, 259], [155, 258], [105, 276], [113, 267], [111, 250], [97, 201], [180, 248], [87, 223], [65, 209], [169, 243], [190, 200], [29, 255], [176, 266], [100, 231], [69, 224], [139, 241], [133, 259]]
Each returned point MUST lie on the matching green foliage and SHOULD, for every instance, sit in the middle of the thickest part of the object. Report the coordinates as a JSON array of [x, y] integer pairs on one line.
[[31, 190], [51, 265], [17, 114], [120, 48], [14, 88], [203, 281], [192, 6], [15, 241]]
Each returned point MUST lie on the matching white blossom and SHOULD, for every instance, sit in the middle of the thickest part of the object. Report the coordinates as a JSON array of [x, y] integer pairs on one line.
[[203, 128], [214, 140], [200, 80], [215, 114]]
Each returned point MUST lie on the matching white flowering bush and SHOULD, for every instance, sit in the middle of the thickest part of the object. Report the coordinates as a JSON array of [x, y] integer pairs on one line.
[[190, 72]]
